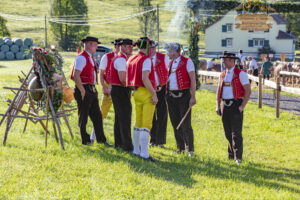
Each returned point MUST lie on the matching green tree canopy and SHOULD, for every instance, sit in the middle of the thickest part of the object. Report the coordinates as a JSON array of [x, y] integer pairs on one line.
[[4, 32], [66, 34], [148, 20]]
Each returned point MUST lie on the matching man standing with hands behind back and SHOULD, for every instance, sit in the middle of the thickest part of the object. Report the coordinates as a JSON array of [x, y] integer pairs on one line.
[[234, 90], [84, 74]]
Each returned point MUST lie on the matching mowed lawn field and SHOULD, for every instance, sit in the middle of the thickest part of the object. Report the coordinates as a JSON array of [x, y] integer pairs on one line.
[[270, 170]]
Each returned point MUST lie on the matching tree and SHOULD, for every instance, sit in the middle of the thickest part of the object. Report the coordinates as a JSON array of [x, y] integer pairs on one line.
[[148, 20], [61, 23], [4, 32]]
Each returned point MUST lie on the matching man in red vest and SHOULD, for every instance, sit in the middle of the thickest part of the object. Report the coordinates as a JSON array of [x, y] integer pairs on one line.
[[234, 90], [105, 81], [181, 97], [121, 96], [140, 75], [84, 74], [159, 124]]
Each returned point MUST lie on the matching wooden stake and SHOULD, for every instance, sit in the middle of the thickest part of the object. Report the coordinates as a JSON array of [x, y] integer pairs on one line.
[[277, 97], [182, 120], [260, 91]]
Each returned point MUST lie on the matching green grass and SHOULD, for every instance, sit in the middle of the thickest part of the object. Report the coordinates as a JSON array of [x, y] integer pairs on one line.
[[270, 169]]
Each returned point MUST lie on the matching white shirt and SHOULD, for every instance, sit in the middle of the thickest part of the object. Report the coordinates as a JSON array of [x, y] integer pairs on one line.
[[228, 90], [253, 64], [120, 64], [209, 64], [103, 62], [147, 65], [167, 61], [243, 58], [80, 63], [172, 78]]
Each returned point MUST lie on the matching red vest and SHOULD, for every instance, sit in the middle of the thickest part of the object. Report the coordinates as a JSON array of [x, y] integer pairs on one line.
[[134, 71], [87, 74], [238, 90], [107, 75], [114, 74], [182, 75], [160, 68]]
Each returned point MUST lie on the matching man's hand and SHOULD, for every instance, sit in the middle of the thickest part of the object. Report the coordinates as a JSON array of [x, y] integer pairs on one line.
[[82, 94], [241, 108], [218, 110], [192, 101], [106, 91], [154, 99]]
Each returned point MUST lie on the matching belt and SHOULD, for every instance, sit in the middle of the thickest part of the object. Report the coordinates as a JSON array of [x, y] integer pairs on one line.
[[90, 87], [227, 84], [177, 93], [229, 102]]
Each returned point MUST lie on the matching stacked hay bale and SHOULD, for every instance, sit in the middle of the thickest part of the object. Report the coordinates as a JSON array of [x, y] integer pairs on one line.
[[15, 49]]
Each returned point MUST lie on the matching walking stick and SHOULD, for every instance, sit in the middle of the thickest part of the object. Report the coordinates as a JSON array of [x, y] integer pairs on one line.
[[182, 120]]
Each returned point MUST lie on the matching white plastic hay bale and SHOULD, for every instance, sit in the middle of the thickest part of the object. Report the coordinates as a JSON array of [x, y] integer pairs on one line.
[[8, 42], [20, 56], [2, 55], [6, 38], [28, 42], [4, 48], [14, 48], [9, 55], [21, 49], [1, 41], [18, 41]]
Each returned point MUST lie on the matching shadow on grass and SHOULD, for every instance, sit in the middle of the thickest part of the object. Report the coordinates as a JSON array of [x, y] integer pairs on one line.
[[180, 169], [2, 66]]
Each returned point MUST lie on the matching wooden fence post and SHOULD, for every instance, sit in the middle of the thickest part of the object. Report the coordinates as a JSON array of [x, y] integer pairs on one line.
[[292, 81], [260, 91], [277, 97], [283, 80]]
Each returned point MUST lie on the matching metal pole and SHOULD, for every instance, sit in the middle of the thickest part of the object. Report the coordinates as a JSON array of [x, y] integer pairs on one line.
[[157, 16], [45, 31]]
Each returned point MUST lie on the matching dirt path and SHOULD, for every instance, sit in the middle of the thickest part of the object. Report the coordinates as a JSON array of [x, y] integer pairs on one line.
[[287, 103]]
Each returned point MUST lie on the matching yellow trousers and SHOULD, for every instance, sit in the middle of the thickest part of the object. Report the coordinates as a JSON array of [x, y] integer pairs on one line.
[[105, 104], [144, 108]]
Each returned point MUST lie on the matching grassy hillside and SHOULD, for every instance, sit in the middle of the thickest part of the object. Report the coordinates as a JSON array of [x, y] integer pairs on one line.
[[97, 9], [270, 169]]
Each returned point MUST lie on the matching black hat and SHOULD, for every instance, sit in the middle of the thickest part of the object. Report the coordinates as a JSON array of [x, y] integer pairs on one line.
[[229, 55], [126, 42], [153, 44], [117, 41], [142, 42], [93, 39]]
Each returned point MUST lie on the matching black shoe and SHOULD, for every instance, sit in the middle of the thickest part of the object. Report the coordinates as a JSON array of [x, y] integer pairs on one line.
[[149, 159], [87, 143], [107, 144], [179, 151], [161, 146]]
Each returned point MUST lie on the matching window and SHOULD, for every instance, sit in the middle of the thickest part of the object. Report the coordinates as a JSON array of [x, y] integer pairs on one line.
[[227, 42], [258, 42], [227, 28]]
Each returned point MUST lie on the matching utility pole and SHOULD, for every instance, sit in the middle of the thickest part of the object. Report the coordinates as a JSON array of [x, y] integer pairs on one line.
[[157, 17], [46, 32]]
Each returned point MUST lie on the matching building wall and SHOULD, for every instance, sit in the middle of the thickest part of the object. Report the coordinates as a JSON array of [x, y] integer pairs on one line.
[[214, 37]]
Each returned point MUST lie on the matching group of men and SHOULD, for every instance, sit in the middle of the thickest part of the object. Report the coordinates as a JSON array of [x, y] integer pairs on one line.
[[158, 86]]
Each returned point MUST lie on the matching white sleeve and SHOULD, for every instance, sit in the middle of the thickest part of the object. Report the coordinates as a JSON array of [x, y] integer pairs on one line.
[[167, 61], [120, 64], [244, 78], [190, 65], [103, 62], [80, 62], [147, 65]]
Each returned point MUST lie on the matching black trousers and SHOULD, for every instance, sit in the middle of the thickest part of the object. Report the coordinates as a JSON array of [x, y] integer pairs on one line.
[[158, 132], [123, 109], [89, 107], [177, 108], [232, 120]]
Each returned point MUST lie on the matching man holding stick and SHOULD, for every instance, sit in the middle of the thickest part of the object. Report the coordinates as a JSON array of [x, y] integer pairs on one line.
[[234, 90], [181, 97]]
